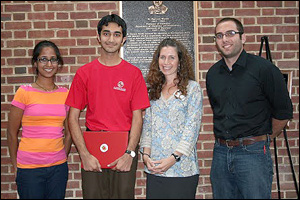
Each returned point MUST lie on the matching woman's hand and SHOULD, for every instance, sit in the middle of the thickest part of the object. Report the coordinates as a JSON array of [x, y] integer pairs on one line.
[[161, 166]]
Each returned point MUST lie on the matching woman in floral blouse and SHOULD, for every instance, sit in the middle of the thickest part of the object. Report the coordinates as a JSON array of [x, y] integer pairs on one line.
[[172, 124]]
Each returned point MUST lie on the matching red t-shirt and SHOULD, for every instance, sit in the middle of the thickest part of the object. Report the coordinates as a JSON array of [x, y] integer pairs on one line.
[[111, 94]]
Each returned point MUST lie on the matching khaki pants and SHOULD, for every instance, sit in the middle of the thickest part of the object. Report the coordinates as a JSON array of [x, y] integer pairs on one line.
[[109, 184]]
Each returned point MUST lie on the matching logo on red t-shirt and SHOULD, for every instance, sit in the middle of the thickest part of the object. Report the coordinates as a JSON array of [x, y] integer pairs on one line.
[[120, 86], [104, 148]]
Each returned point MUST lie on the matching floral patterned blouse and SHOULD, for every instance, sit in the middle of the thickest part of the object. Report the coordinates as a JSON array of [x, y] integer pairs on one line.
[[173, 125]]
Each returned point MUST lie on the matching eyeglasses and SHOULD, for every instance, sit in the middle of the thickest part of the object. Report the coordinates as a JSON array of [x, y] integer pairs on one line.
[[45, 60], [228, 34]]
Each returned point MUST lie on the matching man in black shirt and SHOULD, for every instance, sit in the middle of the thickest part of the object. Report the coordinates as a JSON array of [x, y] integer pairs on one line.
[[251, 106]]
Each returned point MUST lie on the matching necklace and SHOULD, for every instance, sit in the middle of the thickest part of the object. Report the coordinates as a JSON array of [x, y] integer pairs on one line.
[[45, 88]]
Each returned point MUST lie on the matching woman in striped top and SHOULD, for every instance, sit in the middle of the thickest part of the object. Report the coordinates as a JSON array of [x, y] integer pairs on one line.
[[40, 158]]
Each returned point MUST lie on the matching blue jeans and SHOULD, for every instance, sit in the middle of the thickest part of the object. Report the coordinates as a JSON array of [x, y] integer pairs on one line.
[[43, 183], [242, 172]]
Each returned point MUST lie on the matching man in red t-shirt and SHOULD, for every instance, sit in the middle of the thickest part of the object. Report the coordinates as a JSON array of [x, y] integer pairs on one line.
[[115, 94]]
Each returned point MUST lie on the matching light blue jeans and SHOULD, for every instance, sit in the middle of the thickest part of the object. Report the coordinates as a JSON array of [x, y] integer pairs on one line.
[[242, 172]]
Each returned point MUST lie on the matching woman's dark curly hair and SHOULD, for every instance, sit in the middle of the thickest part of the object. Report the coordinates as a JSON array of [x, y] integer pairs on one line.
[[156, 78]]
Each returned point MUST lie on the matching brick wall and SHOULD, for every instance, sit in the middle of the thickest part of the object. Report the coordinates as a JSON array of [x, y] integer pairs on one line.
[[72, 26]]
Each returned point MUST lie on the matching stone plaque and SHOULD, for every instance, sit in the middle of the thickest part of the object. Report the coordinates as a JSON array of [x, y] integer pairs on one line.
[[149, 22]]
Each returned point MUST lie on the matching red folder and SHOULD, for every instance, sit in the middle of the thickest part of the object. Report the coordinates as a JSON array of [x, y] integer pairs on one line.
[[106, 146]]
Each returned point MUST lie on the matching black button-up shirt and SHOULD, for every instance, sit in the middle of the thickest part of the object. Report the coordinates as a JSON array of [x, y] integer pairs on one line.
[[245, 100]]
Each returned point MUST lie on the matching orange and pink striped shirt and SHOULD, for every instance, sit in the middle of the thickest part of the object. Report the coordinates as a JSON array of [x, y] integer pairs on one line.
[[41, 143]]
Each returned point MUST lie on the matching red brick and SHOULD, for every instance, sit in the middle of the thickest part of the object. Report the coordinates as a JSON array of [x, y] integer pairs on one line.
[[19, 16], [269, 20], [39, 7], [73, 69], [82, 60], [291, 195], [209, 13], [6, 53], [100, 15], [20, 34], [73, 167], [69, 193], [273, 38], [6, 34], [83, 42], [73, 184], [227, 12], [7, 89], [21, 79], [69, 60], [252, 29], [61, 7], [140, 182], [289, 11], [206, 30], [82, 51], [287, 29], [62, 16], [64, 42], [4, 186], [138, 191], [248, 4], [227, 4], [83, 15], [78, 193], [8, 178], [288, 46], [17, 8], [290, 20], [206, 57], [19, 43], [268, 11], [11, 195], [248, 21], [288, 64], [207, 48], [205, 4], [81, 33], [290, 3], [61, 24], [5, 17], [18, 61], [268, 29], [41, 16], [269, 3], [247, 12], [289, 55], [102, 6], [18, 25], [207, 21], [39, 25], [41, 34], [62, 33], [82, 6]]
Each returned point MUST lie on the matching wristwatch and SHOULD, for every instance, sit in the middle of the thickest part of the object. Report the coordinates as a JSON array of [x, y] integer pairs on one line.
[[177, 158], [131, 153]]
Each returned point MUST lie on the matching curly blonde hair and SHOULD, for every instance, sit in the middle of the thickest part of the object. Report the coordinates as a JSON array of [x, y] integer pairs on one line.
[[156, 78]]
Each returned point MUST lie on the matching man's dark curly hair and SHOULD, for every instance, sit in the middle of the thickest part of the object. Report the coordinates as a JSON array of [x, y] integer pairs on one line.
[[156, 78]]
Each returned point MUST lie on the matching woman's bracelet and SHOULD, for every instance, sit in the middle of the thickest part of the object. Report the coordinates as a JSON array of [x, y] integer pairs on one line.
[[145, 154]]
